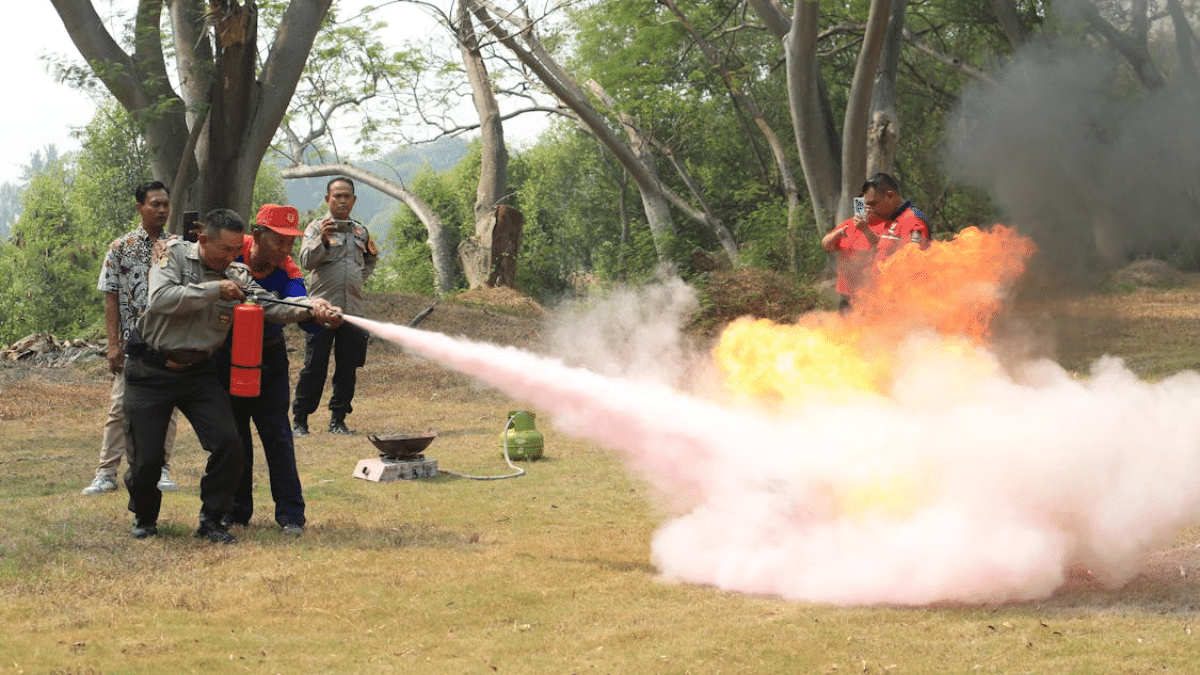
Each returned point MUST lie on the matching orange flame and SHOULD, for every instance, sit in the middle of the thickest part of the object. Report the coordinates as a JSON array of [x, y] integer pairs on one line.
[[952, 289]]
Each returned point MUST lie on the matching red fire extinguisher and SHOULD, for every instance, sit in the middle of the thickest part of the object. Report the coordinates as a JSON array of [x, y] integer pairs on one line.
[[246, 357]]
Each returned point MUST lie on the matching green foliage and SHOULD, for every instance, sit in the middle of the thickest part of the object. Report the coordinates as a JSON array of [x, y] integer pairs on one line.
[[405, 263], [71, 210], [113, 162], [49, 265], [268, 187], [404, 268]]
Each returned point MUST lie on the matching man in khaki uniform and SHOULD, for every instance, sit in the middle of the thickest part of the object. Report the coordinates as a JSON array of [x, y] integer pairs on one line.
[[340, 256], [193, 292]]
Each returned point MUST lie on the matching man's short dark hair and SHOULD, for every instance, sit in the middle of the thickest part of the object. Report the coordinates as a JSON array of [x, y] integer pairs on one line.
[[882, 182], [339, 179], [146, 188], [223, 219]]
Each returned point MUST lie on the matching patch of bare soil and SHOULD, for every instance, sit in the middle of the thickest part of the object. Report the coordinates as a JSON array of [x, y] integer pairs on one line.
[[1168, 582], [1152, 327]]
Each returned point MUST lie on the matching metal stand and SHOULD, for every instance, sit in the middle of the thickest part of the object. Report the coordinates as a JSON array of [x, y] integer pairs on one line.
[[380, 470]]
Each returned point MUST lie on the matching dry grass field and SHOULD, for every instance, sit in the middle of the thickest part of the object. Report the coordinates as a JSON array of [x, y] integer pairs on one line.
[[545, 574]]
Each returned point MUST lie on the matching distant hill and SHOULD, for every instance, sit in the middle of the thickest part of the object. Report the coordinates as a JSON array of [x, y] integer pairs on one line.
[[374, 208]]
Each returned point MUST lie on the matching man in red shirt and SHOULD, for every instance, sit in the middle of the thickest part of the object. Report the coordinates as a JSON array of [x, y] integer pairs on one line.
[[902, 224], [854, 242]]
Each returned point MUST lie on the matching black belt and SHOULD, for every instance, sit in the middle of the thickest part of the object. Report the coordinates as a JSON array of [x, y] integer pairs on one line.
[[174, 360]]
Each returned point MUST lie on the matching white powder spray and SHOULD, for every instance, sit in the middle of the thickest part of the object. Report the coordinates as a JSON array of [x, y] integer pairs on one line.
[[991, 495]]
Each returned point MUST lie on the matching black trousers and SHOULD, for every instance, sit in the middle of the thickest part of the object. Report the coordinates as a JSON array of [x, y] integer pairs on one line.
[[349, 346], [269, 411], [152, 391]]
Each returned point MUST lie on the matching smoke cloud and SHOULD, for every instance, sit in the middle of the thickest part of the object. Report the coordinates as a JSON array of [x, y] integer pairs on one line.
[[1077, 155], [1012, 479]]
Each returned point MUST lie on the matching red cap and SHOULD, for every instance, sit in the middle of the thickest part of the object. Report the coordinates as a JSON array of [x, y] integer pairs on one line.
[[282, 219]]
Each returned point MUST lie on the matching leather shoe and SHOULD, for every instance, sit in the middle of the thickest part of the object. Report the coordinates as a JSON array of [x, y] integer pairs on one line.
[[214, 532], [140, 531], [229, 520], [339, 427]]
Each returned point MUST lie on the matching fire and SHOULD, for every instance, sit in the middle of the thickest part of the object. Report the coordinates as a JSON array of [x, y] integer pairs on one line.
[[952, 290]]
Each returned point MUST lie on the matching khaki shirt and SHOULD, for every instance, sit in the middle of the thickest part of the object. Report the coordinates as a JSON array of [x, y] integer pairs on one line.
[[338, 269], [185, 310]]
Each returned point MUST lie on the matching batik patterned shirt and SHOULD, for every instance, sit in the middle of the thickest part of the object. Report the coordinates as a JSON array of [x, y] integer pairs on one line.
[[126, 272]]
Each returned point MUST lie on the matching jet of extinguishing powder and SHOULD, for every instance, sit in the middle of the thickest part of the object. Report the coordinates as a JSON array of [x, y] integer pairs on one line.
[[947, 478]]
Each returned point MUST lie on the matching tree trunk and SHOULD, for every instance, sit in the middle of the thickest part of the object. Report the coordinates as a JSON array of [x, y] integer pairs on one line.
[[656, 197], [858, 107], [833, 170], [883, 134], [1010, 22], [654, 203], [493, 164], [819, 155], [243, 111], [506, 243], [1185, 43], [444, 268], [1135, 50], [232, 95]]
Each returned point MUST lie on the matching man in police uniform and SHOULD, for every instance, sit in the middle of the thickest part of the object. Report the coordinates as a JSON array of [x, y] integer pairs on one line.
[[340, 256], [193, 291]]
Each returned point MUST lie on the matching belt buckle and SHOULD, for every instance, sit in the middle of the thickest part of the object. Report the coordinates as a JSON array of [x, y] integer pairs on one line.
[[174, 366]]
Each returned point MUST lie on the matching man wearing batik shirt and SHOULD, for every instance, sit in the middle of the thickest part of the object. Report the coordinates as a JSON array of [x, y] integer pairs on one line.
[[124, 280]]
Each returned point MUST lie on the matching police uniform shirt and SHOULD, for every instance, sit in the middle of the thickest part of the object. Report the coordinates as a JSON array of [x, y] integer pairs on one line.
[[185, 310], [338, 269]]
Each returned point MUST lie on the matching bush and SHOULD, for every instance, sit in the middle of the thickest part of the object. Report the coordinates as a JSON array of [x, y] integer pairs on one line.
[[751, 291]]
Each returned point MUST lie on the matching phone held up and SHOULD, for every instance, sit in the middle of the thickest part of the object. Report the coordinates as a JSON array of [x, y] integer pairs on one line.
[[860, 208], [191, 225]]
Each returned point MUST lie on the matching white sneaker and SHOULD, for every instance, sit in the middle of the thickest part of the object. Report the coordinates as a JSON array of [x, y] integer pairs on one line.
[[165, 484], [102, 483]]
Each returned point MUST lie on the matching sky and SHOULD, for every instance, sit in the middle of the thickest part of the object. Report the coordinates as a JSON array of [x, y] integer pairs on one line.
[[46, 112], [43, 112]]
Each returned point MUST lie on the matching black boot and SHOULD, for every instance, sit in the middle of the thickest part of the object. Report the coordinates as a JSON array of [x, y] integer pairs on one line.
[[300, 425], [143, 530], [337, 425], [214, 531]]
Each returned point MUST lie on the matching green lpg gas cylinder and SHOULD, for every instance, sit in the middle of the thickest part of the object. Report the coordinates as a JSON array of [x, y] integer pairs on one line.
[[524, 442]]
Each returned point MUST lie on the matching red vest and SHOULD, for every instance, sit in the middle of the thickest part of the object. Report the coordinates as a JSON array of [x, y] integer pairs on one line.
[[908, 225]]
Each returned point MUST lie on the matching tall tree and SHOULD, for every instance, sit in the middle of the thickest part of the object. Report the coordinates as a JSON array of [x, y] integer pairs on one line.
[[491, 190], [518, 33], [834, 166], [211, 134]]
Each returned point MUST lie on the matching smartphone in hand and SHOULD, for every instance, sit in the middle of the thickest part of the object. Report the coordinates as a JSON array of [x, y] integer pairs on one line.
[[860, 207], [191, 225]]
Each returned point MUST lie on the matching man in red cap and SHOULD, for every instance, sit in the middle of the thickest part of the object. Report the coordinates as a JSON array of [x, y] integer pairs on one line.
[[267, 252]]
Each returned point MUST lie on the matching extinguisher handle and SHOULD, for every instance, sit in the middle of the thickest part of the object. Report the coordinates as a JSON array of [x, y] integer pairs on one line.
[[267, 297]]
